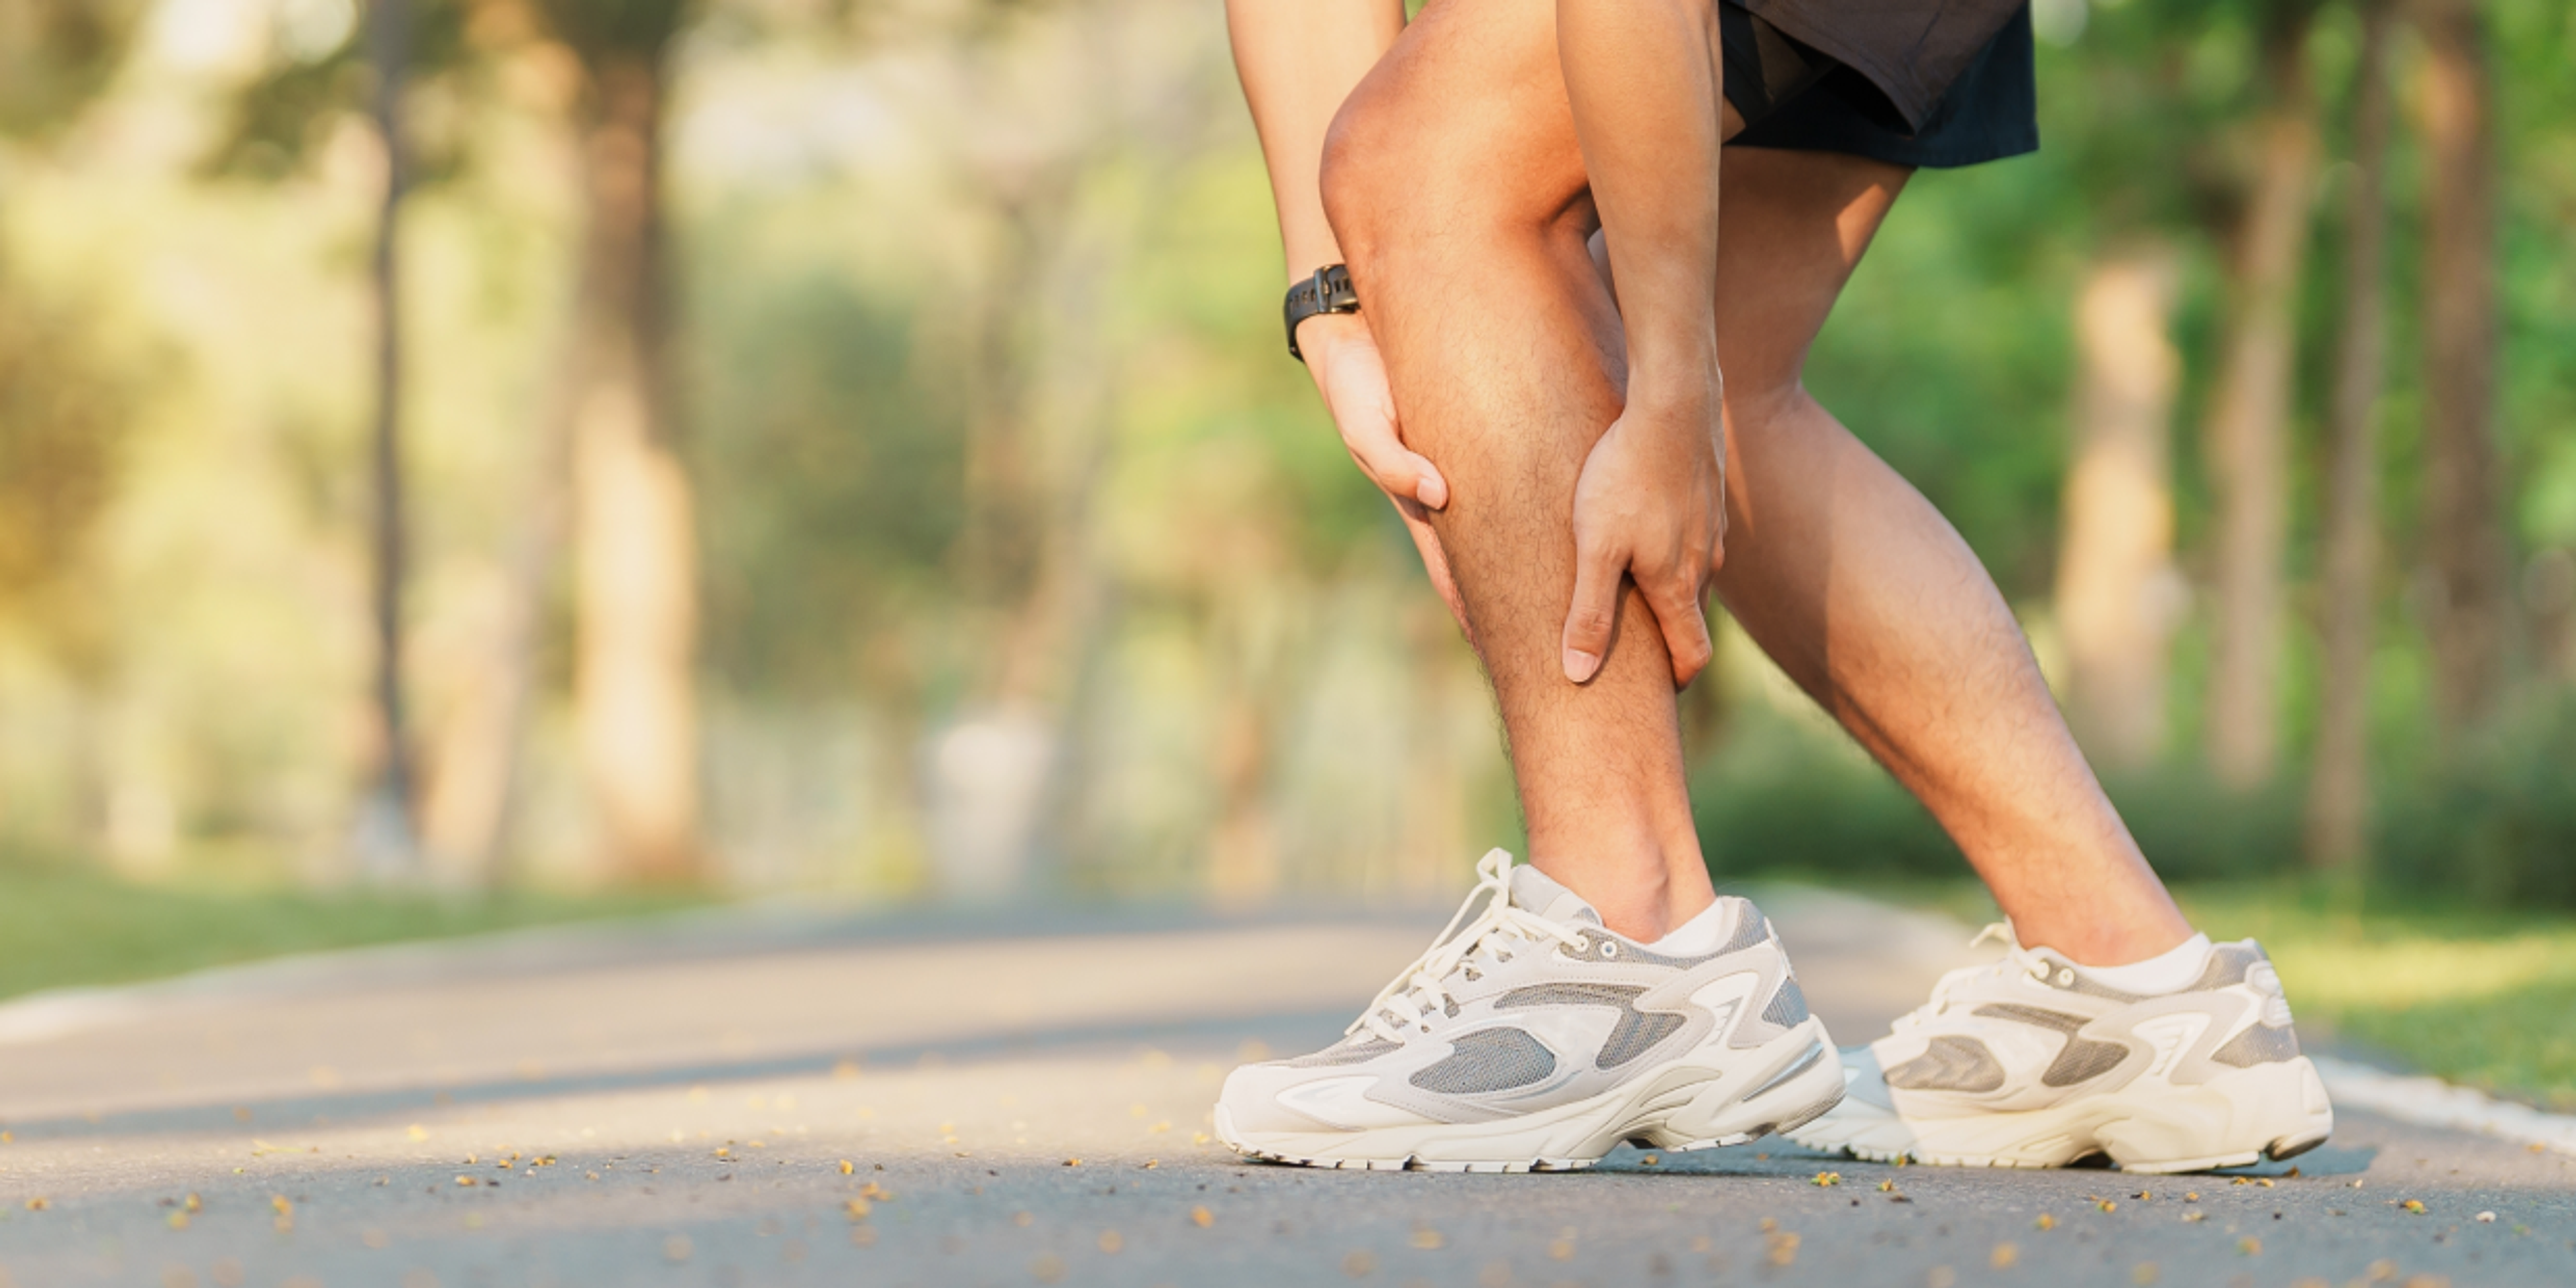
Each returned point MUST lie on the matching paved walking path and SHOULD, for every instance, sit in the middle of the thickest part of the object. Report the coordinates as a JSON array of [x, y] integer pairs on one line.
[[779, 1097]]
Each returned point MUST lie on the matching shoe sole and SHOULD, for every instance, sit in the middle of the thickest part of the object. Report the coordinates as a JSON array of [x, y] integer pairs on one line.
[[1703, 1099], [2275, 1111]]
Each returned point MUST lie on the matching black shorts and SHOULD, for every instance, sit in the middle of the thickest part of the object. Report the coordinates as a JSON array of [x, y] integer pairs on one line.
[[1794, 98]]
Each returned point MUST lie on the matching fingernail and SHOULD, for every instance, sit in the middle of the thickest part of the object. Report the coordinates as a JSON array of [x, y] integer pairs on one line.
[[1580, 665], [1433, 491]]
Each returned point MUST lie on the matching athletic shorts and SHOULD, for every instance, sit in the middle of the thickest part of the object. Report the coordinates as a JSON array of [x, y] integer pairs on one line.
[[1796, 98]]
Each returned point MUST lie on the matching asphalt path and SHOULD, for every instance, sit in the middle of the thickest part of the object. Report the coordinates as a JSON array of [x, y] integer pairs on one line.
[[778, 1096]]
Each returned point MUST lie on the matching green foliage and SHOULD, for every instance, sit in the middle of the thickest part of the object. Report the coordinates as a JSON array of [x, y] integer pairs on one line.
[[2496, 825], [55, 55], [603, 29], [279, 119], [62, 418], [832, 472], [1779, 799], [1784, 799], [2492, 827]]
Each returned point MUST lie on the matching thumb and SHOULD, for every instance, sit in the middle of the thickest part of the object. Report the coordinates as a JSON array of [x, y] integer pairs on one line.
[[1596, 609]]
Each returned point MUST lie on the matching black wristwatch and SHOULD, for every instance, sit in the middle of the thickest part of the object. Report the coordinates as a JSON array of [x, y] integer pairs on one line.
[[1328, 291]]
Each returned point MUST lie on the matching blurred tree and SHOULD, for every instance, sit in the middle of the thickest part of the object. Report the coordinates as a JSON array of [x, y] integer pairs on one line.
[[55, 55], [2248, 428], [633, 527], [278, 119], [59, 426], [60, 418], [2119, 596], [2464, 495], [388, 839], [2338, 820]]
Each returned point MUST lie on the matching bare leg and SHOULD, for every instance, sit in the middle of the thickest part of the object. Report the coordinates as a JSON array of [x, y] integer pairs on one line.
[[1456, 188], [1867, 597]]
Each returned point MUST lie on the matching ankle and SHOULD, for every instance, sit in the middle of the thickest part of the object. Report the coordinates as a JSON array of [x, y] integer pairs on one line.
[[1642, 893], [2099, 947]]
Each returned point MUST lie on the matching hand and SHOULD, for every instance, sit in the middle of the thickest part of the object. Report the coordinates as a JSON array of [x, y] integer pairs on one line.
[[1651, 503], [1343, 358]]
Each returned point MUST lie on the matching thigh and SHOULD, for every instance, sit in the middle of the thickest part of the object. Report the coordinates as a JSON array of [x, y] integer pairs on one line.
[[1791, 227], [1464, 120]]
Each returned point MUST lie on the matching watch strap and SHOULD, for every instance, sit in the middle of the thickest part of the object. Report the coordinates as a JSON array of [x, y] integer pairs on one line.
[[1328, 291]]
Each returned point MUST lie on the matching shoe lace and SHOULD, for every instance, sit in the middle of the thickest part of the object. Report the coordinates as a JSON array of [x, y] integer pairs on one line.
[[2015, 960], [1484, 931]]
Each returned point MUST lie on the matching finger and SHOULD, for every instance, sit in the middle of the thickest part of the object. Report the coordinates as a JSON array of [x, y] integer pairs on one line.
[[1398, 471], [1596, 608], [1435, 561], [1685, 625]]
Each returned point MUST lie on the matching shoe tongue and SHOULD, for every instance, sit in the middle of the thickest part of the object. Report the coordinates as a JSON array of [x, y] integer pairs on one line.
[[1539, 892]]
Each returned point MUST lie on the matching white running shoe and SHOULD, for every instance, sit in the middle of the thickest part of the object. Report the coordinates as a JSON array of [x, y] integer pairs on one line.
[[2030, 1062], [1530, 1038]]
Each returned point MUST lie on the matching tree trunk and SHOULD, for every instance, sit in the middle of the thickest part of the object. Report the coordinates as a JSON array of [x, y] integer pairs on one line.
[[472, 787], [2249, 425], [2464, 493], [633, 528], [387, 843], [2119, 596], [2338, 830]]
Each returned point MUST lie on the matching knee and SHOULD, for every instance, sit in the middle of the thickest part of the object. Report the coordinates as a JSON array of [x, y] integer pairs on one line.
[[1399, 178], [1364, 161]]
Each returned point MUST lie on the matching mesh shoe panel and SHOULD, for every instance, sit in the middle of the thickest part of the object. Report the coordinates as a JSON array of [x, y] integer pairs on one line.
[[2259, 1044], [1751, 930], [1788, 1007], [1487, 1060], [1619, 997], [2228, 964], [2083, 1059], [1951, 1063], [1638, 1032]]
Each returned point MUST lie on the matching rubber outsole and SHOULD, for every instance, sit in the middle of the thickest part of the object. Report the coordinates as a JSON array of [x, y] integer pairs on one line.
[[1792, 1087]]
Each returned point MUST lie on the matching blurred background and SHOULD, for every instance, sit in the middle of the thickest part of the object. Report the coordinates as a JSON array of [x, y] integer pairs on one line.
[[466, 462]]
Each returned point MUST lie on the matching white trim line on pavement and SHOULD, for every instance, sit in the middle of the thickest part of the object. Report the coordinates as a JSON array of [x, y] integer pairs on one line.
[[2431, 1102]]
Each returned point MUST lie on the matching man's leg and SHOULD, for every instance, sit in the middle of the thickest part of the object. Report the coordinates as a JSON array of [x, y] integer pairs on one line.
[[1456, 188], [1867, 597]]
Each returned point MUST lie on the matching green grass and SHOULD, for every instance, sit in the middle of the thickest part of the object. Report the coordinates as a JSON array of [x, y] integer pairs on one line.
[[2481, 997], [64, 924]]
